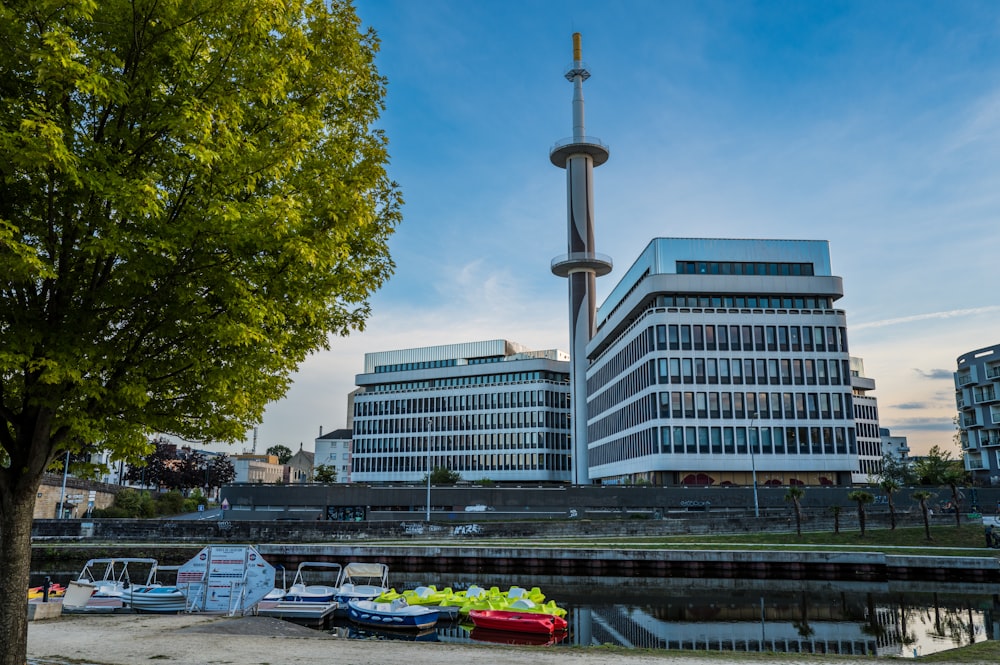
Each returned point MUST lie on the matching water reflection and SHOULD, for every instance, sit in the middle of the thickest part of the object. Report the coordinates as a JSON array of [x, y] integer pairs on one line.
[[909, 620]]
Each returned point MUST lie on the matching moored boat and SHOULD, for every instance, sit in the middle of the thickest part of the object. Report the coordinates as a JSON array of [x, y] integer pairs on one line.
[[300, 591], [397, 614], [102, 585], [361, 581], [518, 622]]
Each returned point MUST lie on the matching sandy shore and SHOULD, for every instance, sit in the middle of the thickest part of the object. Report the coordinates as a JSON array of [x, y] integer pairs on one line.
[[198, 639]]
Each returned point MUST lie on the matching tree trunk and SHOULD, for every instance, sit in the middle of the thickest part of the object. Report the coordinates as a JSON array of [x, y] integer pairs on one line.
[[954, 502], [861, 519], [892, 514], [17, 506], [927, 519]]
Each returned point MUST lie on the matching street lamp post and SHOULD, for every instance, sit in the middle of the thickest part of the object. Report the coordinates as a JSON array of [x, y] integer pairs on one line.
[[753, 463], [430, 422], [62, 494]]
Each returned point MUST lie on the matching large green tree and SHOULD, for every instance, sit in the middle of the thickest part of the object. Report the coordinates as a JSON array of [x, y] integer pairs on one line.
[[282, 452], [193, 197]]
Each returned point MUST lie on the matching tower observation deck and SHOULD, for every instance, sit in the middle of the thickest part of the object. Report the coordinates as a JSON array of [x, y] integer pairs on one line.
[[581, 265]]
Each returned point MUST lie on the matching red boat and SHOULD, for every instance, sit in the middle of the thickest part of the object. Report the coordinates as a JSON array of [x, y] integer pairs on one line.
[[518, 622]]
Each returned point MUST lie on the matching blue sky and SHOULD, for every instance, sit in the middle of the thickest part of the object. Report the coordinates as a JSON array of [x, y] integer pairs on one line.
[[873, 125]]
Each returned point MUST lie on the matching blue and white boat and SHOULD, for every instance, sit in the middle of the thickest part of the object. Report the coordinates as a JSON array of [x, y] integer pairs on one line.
[[396, 614]]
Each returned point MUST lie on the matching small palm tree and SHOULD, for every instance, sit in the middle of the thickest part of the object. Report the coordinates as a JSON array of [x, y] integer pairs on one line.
[[793, 495], [922, 497], [954, 478], [861, 497], [889, 486], [836, 518]]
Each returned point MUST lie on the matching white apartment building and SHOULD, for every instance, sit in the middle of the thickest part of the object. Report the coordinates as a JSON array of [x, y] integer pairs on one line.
[[333, 449], [717, 358], [492, 410]]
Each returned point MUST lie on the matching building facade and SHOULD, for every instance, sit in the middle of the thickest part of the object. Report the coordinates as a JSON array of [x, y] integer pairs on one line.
[[723, 362], [259, 469], [491, 410], [894, 446], [333, 450], [869, 465], [977, 397]]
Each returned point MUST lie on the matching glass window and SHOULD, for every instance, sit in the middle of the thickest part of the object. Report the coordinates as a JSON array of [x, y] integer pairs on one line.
[[689, 405], [690, 440], [661, 337], [662, 371], [675, 370], [710, 338], [810, 367]]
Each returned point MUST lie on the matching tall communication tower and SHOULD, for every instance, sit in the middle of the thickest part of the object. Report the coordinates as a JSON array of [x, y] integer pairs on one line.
[[579, 155]]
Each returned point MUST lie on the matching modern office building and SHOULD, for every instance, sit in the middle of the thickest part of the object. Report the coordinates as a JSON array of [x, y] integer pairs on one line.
[[491, 410], [866, 425], [977, 396], [722, 361]]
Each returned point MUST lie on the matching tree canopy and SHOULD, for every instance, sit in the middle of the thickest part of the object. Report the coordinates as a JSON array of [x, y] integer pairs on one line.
[[165, 468], [325, 473], [283, 453], [193, 198]]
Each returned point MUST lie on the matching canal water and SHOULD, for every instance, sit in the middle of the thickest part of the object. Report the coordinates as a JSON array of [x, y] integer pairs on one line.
[[860, 619], [907, 619]]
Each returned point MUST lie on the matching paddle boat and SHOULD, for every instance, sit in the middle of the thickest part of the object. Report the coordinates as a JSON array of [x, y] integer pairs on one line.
[[103, 583], [397, 614], [518, 622], [361, 581], [310, 593]]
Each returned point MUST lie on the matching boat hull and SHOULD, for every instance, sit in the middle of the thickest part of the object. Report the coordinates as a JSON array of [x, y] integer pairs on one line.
[[392, 615], [517, 622]]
